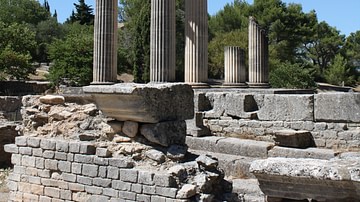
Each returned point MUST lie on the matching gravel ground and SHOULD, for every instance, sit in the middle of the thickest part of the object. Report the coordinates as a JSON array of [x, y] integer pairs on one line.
[[4, 191]]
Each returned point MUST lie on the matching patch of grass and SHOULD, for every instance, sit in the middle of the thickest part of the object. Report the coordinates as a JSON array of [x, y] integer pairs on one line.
[[4, 173]]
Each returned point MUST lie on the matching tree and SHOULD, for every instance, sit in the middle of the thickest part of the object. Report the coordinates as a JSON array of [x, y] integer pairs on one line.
[[23, 11], [84, 14], [339, 72], [16, 43], [216, 50], [292, 76], [137, 23], [324, 46], [72, 56], [352, 50], [46, 32]]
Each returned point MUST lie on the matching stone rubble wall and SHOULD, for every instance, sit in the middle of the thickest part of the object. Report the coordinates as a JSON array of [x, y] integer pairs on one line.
[[72, 152], [332, 118], [63, 170]]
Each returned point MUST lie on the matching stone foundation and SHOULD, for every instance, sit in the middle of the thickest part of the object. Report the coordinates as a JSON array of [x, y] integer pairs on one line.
[[63, 170], [332, 119]]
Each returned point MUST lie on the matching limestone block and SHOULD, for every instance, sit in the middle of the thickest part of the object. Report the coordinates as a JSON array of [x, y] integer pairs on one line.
[[165, 133], [240, 105], [217, 103], [146, 103], [287, 108], [293, 138], [250, 148], [337, 107], [52, 99], [321, 180], [314, 153]]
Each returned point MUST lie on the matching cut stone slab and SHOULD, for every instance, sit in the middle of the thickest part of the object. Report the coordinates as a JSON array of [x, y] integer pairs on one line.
[[287, 108], [293, 138], [314, 153], [249, 148], [321, 180], [145, 103], [337, 107], [233, 146], [52, 99], [165, 133]]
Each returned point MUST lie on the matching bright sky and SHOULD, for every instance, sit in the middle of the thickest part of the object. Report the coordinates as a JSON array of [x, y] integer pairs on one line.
[[344, 14]]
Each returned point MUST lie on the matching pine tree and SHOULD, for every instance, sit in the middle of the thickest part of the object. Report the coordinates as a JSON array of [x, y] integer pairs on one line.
[[46, 5], [83, 15]]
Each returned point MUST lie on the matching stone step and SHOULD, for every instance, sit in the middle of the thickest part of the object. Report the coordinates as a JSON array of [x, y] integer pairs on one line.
[[235, 167], [232, 146], [248, 189], [314, 153]]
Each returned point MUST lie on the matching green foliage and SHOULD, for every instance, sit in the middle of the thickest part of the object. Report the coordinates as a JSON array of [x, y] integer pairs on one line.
[[17, 41], [72, 57], [324, 46], [46, 32], [216, 50], [83, 15], [136, 38], [296, 39], [22, 11], [339, 73], [292, 76]]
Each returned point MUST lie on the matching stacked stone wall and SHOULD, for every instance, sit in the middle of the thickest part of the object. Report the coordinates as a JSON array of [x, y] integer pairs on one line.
[[332, 118], [59, 170]]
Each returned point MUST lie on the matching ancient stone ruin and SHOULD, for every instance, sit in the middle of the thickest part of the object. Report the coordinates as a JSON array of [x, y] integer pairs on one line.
[[178, 142]]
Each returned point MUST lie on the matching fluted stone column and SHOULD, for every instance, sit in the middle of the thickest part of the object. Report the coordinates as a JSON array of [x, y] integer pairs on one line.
[[258, 56], [162, 41], [196, 43], [235, 72], [105, 42]]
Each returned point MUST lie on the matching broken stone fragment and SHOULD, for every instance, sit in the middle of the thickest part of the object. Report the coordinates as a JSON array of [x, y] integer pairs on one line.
[[116, 126], [176, 152], [90, 109], [120, 139], [179, 171], [165, 133], [207, 162], [187, 191], [155, 155], [52, 99], [130, 128]]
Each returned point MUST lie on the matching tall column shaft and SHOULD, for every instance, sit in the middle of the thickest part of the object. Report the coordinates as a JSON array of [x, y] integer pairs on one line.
[[196, 42], [162, 41], [258, 56], [235, 72], [105, 42]]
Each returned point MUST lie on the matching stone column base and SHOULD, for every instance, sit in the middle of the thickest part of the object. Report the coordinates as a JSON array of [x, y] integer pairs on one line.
[[234, 85], [259, 85], [199, 85]]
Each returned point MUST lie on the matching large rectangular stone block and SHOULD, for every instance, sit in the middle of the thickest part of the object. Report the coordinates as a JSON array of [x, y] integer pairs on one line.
[[287, 108], [146, 103], [337, 107]]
